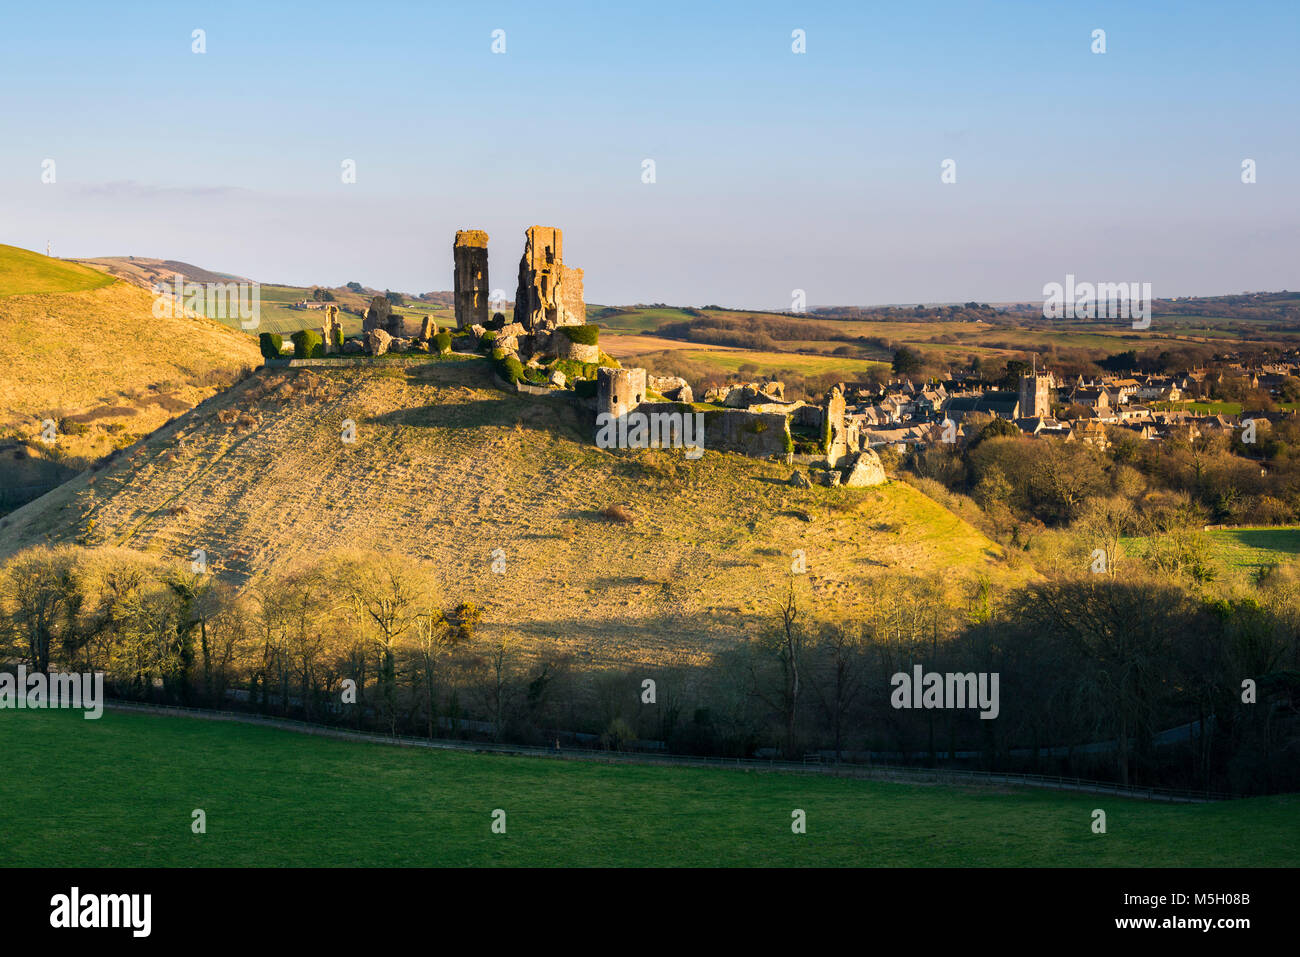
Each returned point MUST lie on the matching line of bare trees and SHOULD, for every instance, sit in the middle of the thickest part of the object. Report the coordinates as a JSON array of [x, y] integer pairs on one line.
[[1092, 668]]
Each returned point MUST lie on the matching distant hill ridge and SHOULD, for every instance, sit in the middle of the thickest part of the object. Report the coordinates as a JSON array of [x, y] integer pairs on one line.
[[146, 273]]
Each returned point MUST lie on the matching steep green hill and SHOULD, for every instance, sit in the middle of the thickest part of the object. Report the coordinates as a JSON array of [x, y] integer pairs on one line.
[[23, 272]]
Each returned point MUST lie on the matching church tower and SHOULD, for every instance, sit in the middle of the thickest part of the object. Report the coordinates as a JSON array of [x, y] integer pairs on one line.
[[1035, 394]]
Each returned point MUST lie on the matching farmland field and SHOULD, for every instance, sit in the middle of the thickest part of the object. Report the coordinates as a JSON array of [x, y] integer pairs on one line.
[[727, 360], [1009, 336], [625, 345], [120, 791], [733, 360], [635, 319]]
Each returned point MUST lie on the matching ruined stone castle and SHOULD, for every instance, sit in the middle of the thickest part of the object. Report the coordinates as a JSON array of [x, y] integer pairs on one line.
[[548, 348], [753, 419]]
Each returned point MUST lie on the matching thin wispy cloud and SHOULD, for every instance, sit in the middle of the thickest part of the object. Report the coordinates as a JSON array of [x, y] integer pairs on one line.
[[130, 189]]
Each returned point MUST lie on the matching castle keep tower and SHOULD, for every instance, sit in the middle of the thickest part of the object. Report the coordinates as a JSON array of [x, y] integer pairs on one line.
[[549, 292], [470, 254], [1035, 395]]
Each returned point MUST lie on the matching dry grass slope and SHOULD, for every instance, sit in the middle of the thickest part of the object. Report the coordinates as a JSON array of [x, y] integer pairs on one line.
[[99, 363], [447, 468]]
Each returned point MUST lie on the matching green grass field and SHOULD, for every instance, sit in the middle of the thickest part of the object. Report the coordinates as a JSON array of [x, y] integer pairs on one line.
[[1209, 408], [640, 320], [23, 272], [1253, 548], [1241, 552], [771, 362], [121, 791]]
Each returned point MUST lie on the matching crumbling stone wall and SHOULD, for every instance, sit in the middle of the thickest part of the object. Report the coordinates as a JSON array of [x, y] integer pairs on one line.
[[573, 310], [746, 394], [762, 435], [671, 387], [549, 293], [834, 410], [566, 348], [757, 434], [809, 416], [378, 315], [470, 257]]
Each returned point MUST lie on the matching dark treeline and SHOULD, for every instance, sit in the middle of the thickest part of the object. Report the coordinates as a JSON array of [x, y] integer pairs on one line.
[[1272, 307], [964, 312], [1098, 675], [758, 332], [1254, 306]]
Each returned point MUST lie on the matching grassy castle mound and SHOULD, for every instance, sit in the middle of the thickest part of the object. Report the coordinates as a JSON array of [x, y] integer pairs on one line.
[[447, 468]]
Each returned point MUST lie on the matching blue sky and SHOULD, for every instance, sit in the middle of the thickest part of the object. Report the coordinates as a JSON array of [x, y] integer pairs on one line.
[[775, 171]]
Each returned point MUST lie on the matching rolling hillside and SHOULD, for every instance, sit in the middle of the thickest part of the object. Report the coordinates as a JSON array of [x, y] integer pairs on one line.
[[849, 343], [448, 468], [146, 273], [278, 312], [86, 352]]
